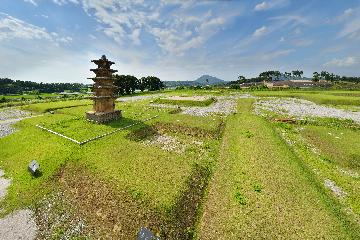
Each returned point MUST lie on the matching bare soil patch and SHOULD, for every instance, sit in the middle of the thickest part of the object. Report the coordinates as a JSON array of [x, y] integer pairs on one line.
[[108, 212]]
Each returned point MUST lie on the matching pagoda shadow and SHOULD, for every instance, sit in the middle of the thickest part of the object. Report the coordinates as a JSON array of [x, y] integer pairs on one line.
[[124, 122]]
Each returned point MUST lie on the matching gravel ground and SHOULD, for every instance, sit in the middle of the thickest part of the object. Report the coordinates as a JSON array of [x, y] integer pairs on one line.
[[301, 109], [6, 129], [18, 225], [12, 113], [191, 98], [8, 117], [138, 98], [4, 184], [166, 143], [335, 189], [224, 105]]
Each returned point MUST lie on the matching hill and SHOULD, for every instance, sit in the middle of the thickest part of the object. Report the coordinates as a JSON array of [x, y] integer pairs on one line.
[[209, 80], [201, 81]]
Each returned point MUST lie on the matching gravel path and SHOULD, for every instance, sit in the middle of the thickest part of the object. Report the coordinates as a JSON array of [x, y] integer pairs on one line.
[[301, 109], [18, 225]]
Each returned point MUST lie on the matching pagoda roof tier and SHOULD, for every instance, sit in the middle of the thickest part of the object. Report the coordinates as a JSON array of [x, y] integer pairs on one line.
[[101, 62], [102, 78], [103, 97], [104, 86], [103, 70]]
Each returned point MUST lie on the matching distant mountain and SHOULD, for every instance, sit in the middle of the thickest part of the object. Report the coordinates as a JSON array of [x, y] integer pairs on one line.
[[201, 81], [209, 80]]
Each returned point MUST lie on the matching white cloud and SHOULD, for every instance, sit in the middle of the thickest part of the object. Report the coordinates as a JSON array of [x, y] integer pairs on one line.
[[303, 42], [174, 33], [276, 54], [348, 12], [31, 1], [345, 15], [292, 19], [11, 28], [262, 6], [14, 28], [135, 36], [282, 39], [260, 32], [266, 5], [341, 62], [351, 28], [63, 2]]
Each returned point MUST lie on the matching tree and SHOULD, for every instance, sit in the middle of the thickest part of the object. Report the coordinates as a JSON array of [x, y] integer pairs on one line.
[[324, 75], [269, 75], [126, 84], [154, 83], [142, 84], [297, 73], [316, 77], [265, 76], [241, 79], [287, 75], [276, 74]]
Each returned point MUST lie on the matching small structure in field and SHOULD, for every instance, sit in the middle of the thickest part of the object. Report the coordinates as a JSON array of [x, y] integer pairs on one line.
[[34, 167], [103, 88]]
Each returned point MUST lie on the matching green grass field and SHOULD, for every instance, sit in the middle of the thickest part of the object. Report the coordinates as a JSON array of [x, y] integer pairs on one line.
[[236, 177], [261, 189], [351, 98]]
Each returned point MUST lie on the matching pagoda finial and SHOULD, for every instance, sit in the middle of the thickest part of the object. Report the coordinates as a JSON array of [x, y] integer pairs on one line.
[[103, 57]]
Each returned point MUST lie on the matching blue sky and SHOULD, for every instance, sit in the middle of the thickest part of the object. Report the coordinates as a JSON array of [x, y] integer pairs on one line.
[[54, 40]]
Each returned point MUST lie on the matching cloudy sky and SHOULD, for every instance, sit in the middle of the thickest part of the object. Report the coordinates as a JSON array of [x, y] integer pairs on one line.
[[54, 40]]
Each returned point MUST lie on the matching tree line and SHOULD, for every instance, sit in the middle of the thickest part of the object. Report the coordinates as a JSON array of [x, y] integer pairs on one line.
[[127, 84], [274, 75], [9, 86], [324, 75]]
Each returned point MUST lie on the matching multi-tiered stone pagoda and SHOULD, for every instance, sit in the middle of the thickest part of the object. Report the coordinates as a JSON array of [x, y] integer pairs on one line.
[[103, 88]]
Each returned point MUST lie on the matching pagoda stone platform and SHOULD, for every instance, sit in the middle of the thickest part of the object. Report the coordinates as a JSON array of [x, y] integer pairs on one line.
[[101, 117]]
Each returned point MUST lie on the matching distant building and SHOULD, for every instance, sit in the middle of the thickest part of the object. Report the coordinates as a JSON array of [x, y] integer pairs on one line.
[[292, 83]]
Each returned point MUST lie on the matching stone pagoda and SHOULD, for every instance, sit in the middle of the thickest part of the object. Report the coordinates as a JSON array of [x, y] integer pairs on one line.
[[103, 88]]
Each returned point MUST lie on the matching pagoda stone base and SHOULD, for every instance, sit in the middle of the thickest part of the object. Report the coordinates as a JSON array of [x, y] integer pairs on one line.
[[100, 117]]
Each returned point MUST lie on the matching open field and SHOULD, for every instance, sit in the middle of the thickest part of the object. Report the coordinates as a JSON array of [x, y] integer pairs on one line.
[[321, 97], [193, 173]]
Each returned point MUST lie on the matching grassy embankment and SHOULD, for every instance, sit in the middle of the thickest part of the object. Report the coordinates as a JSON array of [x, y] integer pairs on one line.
[[261, 189], [190, 103]]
